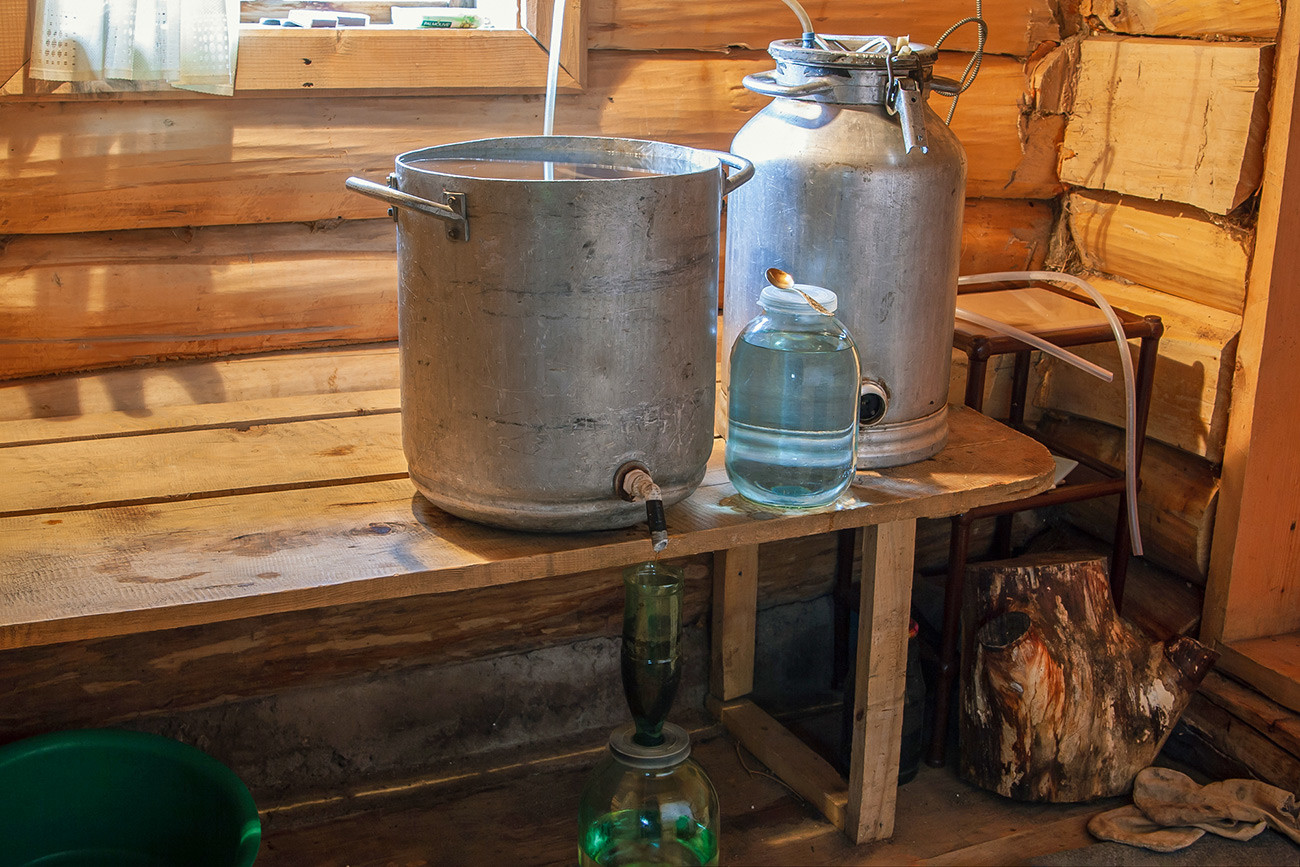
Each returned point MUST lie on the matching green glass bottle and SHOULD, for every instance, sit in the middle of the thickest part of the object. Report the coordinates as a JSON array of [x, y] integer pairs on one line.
[[648, 802], [652, 635]]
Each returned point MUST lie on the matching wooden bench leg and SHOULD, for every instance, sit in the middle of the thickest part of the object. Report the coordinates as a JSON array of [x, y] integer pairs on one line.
[[735, 623], [888, 552], [866, 811], [731, 677]]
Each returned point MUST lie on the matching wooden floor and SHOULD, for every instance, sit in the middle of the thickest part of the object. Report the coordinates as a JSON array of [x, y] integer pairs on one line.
[[521, 811]]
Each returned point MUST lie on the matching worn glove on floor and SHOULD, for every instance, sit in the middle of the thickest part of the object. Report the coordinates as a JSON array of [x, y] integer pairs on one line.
[[1169, 798], [1129, 825], [1171, 811]]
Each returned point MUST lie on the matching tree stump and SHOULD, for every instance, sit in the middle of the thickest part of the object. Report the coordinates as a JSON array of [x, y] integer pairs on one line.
[[1062, 700]]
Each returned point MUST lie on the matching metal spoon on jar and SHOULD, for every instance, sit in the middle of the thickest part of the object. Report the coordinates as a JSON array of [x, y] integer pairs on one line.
[[782, 280]]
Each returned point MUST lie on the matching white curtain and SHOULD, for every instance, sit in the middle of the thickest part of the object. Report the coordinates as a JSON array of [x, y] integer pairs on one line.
[[186, 43]]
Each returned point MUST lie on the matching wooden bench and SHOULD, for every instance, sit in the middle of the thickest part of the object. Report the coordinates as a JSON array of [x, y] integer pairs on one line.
[[145, 499]]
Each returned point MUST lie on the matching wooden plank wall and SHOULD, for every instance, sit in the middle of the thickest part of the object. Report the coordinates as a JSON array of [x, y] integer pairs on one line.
[[135, 229], [1163, 155]]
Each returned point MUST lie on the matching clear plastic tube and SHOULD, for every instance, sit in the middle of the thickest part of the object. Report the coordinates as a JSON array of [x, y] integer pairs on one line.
[[553, 66], [1126, 363], [805, 20], [1038, 343], [552, 80]]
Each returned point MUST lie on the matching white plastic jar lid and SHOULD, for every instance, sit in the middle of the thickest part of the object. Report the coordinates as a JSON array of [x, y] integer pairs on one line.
[[793, 300]]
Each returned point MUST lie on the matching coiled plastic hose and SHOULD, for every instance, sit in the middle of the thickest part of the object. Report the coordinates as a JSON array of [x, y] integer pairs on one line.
[[1125, 360]]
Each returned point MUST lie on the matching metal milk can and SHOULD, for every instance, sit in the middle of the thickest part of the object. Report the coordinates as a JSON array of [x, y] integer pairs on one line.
[[858, 186]]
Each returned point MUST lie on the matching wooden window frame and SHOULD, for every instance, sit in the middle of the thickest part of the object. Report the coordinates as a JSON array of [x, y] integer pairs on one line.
[[287, 61]]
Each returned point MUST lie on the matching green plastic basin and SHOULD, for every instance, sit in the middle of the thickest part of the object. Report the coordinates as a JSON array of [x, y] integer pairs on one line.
[[104, 797]]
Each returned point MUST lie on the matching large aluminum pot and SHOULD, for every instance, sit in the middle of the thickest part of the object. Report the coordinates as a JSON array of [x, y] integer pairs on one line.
[[554, 333], [859, 187]]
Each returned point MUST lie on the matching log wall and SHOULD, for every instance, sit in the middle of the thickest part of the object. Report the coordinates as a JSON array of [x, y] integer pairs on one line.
[[136, 229], [1163, 154]]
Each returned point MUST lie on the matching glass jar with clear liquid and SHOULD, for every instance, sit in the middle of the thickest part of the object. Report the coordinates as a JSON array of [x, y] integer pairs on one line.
[[792, 420]]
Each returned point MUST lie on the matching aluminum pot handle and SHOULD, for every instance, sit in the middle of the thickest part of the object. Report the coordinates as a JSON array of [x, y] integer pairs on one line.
[[742, 170], [453, 212], [765, 83]]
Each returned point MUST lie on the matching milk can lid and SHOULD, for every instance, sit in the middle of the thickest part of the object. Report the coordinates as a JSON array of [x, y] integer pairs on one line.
[[795, 299], [856, 52]]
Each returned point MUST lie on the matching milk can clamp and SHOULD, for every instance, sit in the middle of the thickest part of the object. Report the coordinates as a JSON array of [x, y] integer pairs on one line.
[[903, 97]]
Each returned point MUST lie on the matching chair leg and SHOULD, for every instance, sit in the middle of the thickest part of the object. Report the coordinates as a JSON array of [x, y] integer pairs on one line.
[[958, 548], [975, 375], [1119, 556], [1019, 389], [1148, 354], [1002, 536]]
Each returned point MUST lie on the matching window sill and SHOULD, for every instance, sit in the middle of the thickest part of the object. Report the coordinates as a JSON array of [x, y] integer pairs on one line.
[[458, 61], [278, 61]]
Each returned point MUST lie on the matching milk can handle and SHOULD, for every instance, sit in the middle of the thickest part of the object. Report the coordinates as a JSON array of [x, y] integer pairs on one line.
[[945, 86], [742, 170], [765, 83]]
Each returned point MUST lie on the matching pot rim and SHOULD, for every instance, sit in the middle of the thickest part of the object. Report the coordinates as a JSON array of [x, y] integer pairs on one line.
[[664, 159]]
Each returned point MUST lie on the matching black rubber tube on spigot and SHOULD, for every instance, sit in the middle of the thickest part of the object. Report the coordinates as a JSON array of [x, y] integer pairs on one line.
[[657, 522]]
